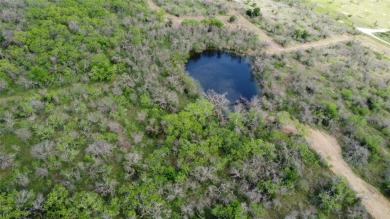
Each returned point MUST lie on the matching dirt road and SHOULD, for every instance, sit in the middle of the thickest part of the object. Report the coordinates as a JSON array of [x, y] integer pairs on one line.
[[325, 145], [309, 45], [272, 46], [329, 149], [370, 32], [245, 24]]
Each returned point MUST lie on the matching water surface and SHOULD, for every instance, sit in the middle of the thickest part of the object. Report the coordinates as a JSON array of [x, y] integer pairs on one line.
[[223, 72]]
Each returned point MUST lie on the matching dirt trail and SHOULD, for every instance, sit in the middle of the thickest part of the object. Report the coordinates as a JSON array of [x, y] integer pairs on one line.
[[272, 46], [309, 45], [329, 149], [240, 23], [370, 32], [325, 145], [244, 23]]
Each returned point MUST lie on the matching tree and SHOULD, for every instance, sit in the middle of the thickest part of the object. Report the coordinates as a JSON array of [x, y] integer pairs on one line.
[[233, 210], [23, 133], [58, 204], [100, 148], [39, 75], [336, 196], [101, 69], [15, 204], [301, 34], [6, 160], [220, 102], [256, 12], [213, 22], [233, 19]]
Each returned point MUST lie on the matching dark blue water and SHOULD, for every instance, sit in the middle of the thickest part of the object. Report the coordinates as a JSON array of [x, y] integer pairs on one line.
[[223, 72]]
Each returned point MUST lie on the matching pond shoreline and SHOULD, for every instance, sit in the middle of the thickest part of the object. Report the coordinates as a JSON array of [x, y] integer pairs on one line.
[[224, 72]]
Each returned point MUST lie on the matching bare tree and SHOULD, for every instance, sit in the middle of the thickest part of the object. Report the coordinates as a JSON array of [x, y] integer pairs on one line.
[[137, 137], [100, 148], [202, 174], [23, 133], [3, 85], [106, 187], [6, 160], [141, 116], [23, 198], [22, 179], [354, 153], [73, 26], [8, 118], [41, 172], [221, 104], [42, 150]]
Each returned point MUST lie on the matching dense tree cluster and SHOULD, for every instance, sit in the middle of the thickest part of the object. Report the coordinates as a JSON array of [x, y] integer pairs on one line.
[[91, 153], [193, 8]]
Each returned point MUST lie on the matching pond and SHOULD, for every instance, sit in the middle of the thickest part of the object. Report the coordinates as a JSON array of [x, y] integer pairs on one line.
[[223, 72]]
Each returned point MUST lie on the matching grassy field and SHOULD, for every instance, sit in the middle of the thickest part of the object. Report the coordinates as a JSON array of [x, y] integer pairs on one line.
[[384, 36], [360, 13]]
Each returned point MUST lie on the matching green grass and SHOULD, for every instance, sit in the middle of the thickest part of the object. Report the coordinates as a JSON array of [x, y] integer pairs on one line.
[[385, 36], [360, 13]]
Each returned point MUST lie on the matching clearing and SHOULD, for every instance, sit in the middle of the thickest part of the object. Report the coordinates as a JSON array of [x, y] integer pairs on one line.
[[364, 13]]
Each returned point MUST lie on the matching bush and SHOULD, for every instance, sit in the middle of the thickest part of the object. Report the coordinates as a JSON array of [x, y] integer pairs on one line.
[[213, 22], [256, 12], [336, 196], [190, 22], [249, 12], [301, 34], [253, 12], [232, 19], [101, 69], [232, 210], [39, 74]]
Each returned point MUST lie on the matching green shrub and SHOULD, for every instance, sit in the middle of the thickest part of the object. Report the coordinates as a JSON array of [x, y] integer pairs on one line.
[[190, 22], [213, 22], [253, 12], [232, 210], [39, 74], [331, 110], [301, 34], [101, 69], [256, 12], [336, 196], [233, 19]]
